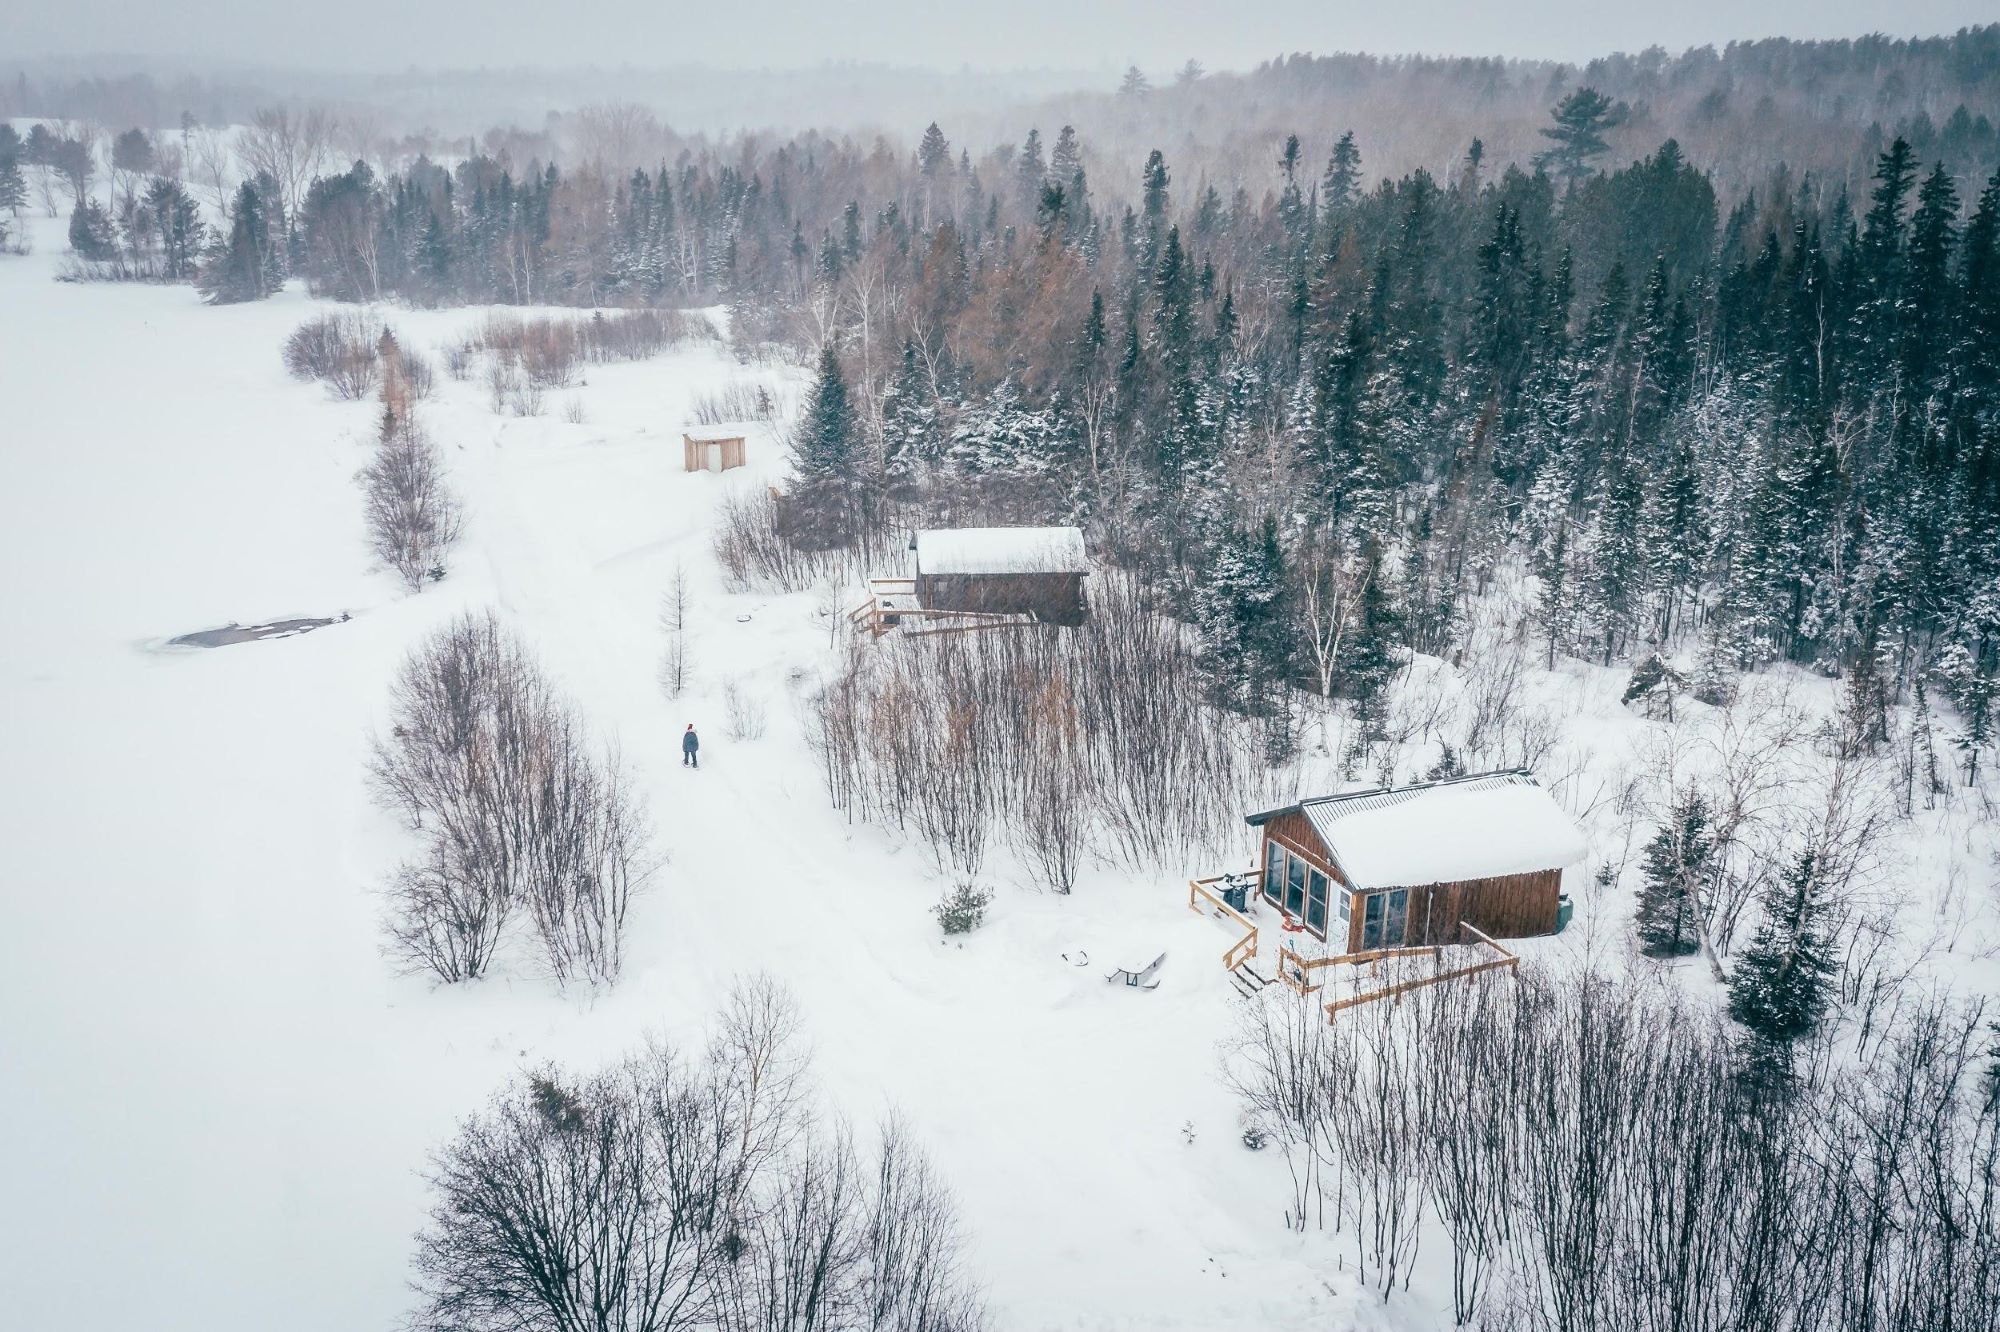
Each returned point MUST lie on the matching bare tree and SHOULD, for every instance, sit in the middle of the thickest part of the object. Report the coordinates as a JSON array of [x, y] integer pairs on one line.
[[676, 606], [413, 519], [290, 145], [517, 814]]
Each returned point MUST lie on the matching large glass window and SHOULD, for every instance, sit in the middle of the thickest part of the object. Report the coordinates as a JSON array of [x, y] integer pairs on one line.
[[1371, 921], [1316, 902], [1395, 918], [1295, 886], [1274, 871]]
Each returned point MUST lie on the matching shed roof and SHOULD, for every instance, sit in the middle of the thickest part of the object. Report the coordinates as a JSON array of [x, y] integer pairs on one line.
[[1477, 827], [714, 434], [1001, 550]]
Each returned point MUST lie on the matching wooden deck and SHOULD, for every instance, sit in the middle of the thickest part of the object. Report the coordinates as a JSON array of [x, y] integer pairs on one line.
[[893, 601], [1205, 896], [1359, 974]]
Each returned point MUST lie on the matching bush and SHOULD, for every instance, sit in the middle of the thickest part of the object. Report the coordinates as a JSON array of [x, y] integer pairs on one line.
[[519, 816], [338, 350], [963, 909]]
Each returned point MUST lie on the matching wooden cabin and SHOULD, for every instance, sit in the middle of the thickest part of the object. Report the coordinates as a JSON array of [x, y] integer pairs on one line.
[[712, 451], [1403, 866], [1035, 571]]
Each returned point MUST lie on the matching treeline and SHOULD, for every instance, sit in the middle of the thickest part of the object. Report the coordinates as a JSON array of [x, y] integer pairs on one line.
[[1828, 107]]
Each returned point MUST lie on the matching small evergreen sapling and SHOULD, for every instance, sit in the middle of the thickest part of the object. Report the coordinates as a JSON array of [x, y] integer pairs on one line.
[[963, 909]]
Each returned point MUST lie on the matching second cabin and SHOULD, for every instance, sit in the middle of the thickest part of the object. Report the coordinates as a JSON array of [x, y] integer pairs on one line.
[[1036, 571], [1403, 866]]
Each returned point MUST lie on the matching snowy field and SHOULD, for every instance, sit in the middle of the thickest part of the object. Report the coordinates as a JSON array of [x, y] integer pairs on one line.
[[218, 1097]]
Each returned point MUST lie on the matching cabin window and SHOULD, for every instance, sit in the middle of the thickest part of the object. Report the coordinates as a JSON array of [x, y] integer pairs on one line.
[[1316, 903], [1346, 911], [1384, 919], [1371, 921], [1274, 871], [1295, 887], [1395, 918]]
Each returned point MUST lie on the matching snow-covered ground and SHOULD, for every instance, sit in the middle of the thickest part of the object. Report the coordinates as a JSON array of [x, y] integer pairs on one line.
[[215, 1095]]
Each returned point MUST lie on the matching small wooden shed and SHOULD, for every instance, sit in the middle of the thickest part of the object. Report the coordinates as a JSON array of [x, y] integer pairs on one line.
[[712, 451], [1401, 866], [1035, 571]]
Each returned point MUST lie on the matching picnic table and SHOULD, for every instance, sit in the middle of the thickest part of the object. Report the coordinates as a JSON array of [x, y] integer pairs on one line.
[[1146, 977]]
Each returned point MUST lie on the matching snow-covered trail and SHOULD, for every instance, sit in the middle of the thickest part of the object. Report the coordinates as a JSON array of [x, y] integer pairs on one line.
[[218, 1095]]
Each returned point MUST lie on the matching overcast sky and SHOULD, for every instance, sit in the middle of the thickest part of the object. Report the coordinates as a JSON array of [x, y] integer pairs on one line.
[[1157, 34]]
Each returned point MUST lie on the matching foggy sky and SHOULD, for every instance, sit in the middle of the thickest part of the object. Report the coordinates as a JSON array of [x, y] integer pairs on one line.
[[986, 34]]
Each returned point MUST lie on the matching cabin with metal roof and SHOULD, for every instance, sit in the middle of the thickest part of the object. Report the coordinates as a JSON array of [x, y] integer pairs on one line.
[[1035, 571], [1410, 866]]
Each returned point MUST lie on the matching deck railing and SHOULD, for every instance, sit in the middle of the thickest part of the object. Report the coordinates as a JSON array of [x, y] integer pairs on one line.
[[1295, 969], [876, 619], [1504, 959], [1245, 948]]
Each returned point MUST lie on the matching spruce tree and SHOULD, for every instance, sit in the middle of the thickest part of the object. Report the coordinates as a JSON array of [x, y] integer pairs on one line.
[[1678, 862], [1783, 982], [826, 461]]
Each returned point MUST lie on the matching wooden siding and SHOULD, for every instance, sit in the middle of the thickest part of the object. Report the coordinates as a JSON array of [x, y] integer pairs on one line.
[[698, 454], [1294, 831], [1052, 598], [1513, 906]]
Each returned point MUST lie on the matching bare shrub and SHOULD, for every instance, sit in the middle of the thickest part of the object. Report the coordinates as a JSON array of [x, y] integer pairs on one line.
[[1597, 1157], [573, 412], [755, 552], [517, 814], [413, 520], [458, 359], [1076, 741], [550, 349], [738, 400], [336, 349], [743, 713], [677, 1192]]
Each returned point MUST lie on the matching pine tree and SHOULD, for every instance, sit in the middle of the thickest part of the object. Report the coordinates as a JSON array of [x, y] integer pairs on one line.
[[1578, 134], [1678, 862], [1783, 982]]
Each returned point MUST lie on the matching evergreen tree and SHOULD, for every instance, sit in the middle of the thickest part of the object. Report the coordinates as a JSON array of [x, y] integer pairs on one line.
[[13, 187], [1678, 862], [91, 234], [1783, 982], [1577, 136], [827, 462]]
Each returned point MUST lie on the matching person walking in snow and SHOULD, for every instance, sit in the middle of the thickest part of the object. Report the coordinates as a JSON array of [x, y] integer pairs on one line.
[[690, 748]]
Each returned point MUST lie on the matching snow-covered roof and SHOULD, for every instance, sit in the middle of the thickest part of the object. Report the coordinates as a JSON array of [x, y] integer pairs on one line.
[[1439, 832], [1001, 550], [710, 434]]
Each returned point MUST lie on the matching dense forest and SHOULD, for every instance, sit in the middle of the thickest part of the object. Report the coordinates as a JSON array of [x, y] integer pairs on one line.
[[1751, 416]]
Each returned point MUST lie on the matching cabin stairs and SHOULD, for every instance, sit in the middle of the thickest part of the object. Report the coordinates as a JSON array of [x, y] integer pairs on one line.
[[1248, 980]]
